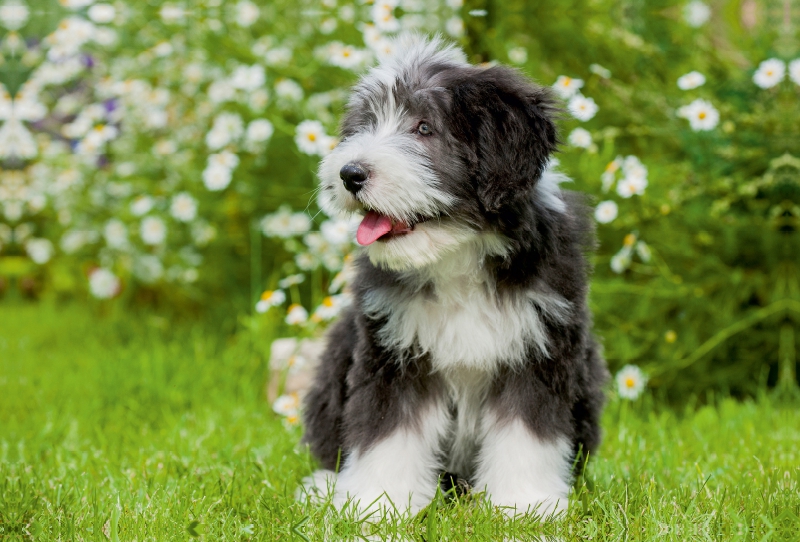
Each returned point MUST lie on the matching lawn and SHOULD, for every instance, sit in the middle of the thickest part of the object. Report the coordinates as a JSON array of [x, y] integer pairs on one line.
[[128, 426]]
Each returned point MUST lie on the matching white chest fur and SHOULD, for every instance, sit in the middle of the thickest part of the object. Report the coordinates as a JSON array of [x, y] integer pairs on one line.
[[461, 321]]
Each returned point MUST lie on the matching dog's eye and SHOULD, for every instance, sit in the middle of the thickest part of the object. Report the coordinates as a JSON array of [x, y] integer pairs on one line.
[[424, 129]]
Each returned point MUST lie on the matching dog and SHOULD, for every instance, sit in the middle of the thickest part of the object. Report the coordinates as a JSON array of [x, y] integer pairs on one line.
[[467, 348]]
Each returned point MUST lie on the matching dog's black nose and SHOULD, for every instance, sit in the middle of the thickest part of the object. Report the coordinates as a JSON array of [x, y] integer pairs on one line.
[[354, 176]]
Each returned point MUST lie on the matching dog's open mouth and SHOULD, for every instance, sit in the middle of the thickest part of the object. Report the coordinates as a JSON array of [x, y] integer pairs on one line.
[[378, 227]]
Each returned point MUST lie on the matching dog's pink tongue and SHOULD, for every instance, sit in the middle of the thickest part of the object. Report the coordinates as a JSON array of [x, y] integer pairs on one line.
[[372, 227]]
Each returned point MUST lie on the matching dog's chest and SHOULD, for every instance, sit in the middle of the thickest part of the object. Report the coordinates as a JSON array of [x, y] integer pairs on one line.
[[462, 324]]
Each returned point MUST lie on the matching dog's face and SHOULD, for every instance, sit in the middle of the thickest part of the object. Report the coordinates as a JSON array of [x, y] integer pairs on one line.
[[434, 152]]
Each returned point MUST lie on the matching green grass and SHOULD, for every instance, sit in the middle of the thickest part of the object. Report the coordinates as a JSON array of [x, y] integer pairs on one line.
[[129, 427]]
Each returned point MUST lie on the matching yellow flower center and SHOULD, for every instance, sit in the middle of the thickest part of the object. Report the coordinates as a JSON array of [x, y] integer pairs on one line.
[[701, 115], [630, 239], [567, 81], [345, 53], [266, 295], [770, 72], [328, 301], [312, 137], [630, 382]]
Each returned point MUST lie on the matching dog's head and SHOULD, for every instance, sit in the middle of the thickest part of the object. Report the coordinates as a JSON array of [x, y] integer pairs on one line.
[[435, 152]]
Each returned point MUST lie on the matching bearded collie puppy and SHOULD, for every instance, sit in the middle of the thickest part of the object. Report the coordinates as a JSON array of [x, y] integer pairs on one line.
[[468, 347]]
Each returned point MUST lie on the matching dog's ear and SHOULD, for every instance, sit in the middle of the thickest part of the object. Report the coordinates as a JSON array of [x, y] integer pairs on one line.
[[509, 123]]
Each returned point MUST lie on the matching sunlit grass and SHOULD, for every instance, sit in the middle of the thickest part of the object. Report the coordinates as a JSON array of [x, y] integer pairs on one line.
[[133, 427]]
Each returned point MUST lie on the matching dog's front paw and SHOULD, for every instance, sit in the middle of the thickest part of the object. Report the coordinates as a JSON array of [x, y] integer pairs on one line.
[[317, 486], [520, 504], [368, 499]]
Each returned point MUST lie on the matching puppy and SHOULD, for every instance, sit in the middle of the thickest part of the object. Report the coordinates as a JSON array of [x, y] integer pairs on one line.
[[467, 347]]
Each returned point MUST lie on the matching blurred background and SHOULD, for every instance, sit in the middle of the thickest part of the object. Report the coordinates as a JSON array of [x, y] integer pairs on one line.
[[158, 159]]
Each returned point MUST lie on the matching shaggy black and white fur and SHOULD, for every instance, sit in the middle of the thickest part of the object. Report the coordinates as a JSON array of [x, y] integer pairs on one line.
[[467, 348]]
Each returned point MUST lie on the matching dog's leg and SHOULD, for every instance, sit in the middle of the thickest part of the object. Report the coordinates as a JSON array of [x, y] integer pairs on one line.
[[400, 470], [522, 472], [324, 404]]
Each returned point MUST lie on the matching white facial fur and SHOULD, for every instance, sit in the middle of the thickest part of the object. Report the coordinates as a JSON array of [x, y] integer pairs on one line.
[[402, 183]]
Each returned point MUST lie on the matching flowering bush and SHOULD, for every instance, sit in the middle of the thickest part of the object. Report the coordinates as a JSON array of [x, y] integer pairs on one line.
[[170, 150], [146, 141]]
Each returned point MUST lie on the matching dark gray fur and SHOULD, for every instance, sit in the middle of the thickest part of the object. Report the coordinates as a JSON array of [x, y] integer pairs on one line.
[[495, 132]]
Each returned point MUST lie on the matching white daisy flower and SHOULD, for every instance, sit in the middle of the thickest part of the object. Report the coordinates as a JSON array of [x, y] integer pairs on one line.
[[299, 223], [643, 250], [696, 13], [148, 268], [39, 250], [203, 233], [346, 56], [247, 13], [582, 108], [224, 159], [330, 307], [14, 15], [184, 207], [153, 231], [102, 13], [691, 80], [281, 351], [296, 315], [336, 232], [621, 260], [606, 212], [287, 405], [270, 298], [258, 99], [73, 240], [630, 382], [291, 280], [701, 114], [258, 131], [344, 277], [794, 71], [217, 177], [103, 284], [454, 26], [383, 16], [610, 173], [580, 137], [116, 234], [518, 55], [248, 78], [284, 224], [289, 90], [566, 87], [279, 56], [221, 91], [597, 69], [770, 73], [306, 261], [308, 136], [628, 186], [227, 127], [172, 14]]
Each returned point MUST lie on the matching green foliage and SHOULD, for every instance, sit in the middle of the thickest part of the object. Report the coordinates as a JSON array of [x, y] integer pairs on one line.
[[142, 427], [703, 292], [720, 213]]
